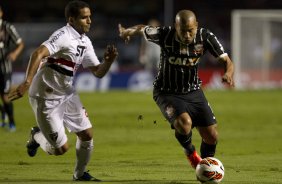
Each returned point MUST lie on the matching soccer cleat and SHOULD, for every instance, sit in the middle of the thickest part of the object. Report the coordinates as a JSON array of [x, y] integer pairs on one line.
[[3, 124], [194, 159], [32, 145], [85, 177], [12, 127]]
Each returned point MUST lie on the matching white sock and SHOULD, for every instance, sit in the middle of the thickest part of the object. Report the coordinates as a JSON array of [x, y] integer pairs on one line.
[[83, 154], [44, 144]]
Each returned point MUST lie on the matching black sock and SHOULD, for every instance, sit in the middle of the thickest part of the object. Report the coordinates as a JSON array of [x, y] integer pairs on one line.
[[2, 113], [186, 141], [207, 150], [10, 112]]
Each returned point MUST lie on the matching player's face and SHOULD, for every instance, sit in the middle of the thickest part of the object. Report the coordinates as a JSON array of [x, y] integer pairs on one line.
[[186, 32], [82, 23]]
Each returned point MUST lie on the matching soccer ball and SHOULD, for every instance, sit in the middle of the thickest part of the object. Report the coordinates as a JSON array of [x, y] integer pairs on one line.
[[210, 171]]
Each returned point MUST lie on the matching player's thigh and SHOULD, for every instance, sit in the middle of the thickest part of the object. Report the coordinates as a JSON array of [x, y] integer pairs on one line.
[[49, 116], [75, 116], [183, 123], [200, 109], [171, 106]]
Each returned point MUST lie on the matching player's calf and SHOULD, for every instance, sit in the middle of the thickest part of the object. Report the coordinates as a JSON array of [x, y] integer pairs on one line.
[[207, 150]]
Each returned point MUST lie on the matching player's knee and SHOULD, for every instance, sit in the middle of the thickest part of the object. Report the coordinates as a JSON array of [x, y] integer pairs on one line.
[[62, 150], [183, 124], [85, 135]]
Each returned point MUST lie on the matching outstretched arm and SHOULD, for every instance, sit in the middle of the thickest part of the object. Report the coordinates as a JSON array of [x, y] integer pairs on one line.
[[229, 70], [127, 33]]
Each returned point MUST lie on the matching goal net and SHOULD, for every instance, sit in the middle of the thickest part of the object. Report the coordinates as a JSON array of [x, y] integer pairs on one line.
[[257, 48]]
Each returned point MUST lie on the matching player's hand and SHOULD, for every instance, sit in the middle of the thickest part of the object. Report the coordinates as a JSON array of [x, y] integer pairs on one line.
[[123, 33], [12, 57], [228, 79], [18, 92], [111, 53]]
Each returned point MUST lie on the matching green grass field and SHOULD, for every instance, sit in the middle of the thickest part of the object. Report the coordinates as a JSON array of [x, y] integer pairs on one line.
[[133, 150]]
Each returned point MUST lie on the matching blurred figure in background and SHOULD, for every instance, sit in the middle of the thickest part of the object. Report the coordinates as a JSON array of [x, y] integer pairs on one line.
[[150, 52], [3, 116], [11, 45], [177, 87]]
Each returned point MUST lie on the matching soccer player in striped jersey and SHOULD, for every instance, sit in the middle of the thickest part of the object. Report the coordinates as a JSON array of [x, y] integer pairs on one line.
[[52, 95], [177, 87], [11, 45]]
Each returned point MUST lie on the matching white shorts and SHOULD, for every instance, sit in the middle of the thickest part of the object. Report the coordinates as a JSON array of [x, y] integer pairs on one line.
[[53, 115]]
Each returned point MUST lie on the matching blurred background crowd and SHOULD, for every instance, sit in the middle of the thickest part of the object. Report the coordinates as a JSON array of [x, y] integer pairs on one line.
[[36, 20]]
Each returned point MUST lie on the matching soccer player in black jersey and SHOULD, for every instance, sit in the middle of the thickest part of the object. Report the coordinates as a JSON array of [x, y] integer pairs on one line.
[[177, 87], [8, 54]]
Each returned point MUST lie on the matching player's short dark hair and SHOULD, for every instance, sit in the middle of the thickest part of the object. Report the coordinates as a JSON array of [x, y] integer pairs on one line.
[[73, 7]]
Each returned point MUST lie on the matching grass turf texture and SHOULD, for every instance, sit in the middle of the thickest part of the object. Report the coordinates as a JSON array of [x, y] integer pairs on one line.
[[134, 144]]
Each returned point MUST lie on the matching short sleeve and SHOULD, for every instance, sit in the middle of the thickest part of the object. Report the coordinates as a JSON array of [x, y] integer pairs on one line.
[[213, 45], [14, 34], [56, 41], [152, 34]]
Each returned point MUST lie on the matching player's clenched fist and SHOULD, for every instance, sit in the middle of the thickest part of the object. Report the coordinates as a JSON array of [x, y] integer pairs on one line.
[[227, 78], [18, 92], [111, 53]]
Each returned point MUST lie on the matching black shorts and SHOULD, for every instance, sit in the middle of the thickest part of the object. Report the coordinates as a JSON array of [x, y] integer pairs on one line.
[[194, 103], [5, 83]]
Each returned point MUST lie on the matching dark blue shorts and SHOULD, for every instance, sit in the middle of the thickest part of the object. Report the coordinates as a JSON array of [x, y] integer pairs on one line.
[[194, 103]]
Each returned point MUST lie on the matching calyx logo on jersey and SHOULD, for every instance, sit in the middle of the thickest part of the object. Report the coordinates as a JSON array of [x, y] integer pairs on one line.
[[183, 61], [188, 61]]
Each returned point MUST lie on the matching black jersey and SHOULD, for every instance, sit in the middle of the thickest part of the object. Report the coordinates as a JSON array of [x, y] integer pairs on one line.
[[178, 68], [8, 36]]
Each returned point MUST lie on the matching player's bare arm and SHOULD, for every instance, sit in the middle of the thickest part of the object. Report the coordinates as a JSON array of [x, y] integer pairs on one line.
[[127, 33], [110, 55], [229, 71], [32, 68]]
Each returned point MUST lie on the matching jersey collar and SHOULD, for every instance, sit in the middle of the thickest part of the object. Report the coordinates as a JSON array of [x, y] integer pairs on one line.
[[74, 33]]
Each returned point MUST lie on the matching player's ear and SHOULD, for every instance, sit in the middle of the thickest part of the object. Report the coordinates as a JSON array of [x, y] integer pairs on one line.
[[175, 25], [71, 20]]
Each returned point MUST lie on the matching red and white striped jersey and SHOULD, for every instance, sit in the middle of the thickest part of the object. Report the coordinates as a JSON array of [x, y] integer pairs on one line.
[[68, 50]]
